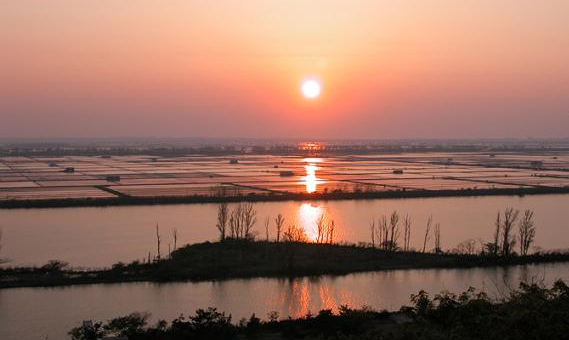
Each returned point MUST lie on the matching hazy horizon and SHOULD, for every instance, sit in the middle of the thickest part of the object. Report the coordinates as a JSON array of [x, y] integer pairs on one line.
[[415, 69]]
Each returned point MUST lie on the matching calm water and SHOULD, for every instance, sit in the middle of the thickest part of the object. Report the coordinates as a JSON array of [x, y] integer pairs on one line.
[[102, 236], [33, 313]]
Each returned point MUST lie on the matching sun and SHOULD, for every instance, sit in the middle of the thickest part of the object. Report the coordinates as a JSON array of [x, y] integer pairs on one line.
[[310, 89]]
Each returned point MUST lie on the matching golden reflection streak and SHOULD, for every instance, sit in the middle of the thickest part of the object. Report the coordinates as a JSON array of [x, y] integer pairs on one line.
[[297, 298], [310, 180], [308, 215], [327, 300], [300, 296]]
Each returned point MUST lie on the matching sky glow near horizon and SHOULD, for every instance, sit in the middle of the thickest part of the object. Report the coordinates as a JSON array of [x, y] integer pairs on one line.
[[228, 68]]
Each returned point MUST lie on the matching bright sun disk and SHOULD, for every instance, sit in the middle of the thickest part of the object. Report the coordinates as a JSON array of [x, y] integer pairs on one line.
[[310, 89]]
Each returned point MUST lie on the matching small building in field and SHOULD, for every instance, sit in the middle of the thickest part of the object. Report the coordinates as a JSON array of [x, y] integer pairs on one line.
[[113, 178]]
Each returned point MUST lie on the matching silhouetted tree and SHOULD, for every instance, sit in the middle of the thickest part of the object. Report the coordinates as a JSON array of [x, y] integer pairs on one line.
[[222, 219], [1, 259], [267, 223], [320, 228], [157, 242], [279, 222], [294, 234], [372, 230], [526, 231], [427, 232], [466, 247], [127, 326], [55, 266], [508, 240], [175, 237], [394, 229], [273, 316], [406, 232], [241, 221], [330, 236], [498, 224], [438, 248], [249, 219], [383, 232], [234, 222]]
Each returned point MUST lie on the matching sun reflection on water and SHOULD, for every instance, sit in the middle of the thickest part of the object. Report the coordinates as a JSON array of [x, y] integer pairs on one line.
[[308, 215], [310, 180], [300, 296]]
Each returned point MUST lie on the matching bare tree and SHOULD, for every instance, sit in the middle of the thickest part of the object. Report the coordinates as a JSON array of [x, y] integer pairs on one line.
[[394, 228], [242, 219], [279, 222], [249, 219], [294, 234], [331, 227], [438, 238], [372, 229], [1, 259], [157, 242], [320, 228], [175, 237], [222, 219], [383, 232], [466, 247], [235, 222], [497, 233], [508, 240], [427, 232], [267, 223], [406, 232], [526, 231]]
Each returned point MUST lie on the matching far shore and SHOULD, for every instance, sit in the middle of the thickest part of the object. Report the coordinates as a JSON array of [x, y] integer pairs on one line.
[[252, 259], [276, 197]]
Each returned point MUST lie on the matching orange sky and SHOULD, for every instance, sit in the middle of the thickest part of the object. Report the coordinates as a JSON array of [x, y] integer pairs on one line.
[[231, 68]]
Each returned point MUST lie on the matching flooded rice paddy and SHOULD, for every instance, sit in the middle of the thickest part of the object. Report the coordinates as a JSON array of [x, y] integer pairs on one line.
[[41, 178]]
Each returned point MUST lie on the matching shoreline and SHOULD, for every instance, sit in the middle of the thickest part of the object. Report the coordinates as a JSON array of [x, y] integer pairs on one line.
[[275, 197], [259, 259]]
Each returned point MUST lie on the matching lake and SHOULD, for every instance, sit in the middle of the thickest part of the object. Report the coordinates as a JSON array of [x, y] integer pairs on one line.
[[34, 313], [101, 236]]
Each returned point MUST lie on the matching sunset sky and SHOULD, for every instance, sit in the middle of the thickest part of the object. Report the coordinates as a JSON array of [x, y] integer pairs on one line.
[[234, 68]]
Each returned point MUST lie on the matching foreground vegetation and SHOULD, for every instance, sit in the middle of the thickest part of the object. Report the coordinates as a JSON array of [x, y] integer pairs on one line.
[[531, 312], [244, 258]]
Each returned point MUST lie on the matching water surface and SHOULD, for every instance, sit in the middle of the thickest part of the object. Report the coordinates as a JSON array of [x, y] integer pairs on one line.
[[34, 313], [100, 236]]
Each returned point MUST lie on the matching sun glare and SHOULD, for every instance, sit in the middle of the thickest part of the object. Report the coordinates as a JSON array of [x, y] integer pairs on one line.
[[310, 89]]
